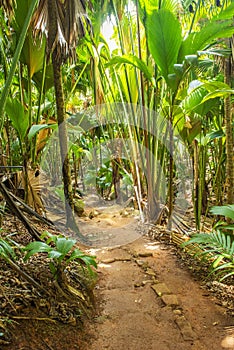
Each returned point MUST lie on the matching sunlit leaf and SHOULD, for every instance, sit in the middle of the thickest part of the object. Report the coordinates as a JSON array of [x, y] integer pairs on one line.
[[218, 93], [18, 116], [134, 61], [225, 210], [64, 245], [6, 249], [36, 128], [197, 41], [36, 247], [164, 39]]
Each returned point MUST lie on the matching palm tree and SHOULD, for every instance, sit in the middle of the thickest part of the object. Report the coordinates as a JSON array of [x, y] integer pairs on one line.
[[63, 23]]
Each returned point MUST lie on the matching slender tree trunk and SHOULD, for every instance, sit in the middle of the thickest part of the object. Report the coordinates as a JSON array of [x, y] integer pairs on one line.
[[63, 142], [57, 60], [228, 108], [171, 174]]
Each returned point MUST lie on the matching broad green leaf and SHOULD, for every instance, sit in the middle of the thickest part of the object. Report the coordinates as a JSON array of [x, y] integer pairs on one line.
[[214, 85], [64, 245], [36, 128], [33, 54], [204, 140], [148, 6], [18, 116], [196, 100], [134, 61], [225, 210], [214, 135], [36, 247], [179, 70], [217, 93], [26, 20], [89, 260], [79, 255], [205, 36], [54, 254], [226, 13], [33, 50], [49, 78], [164, 39], [39, 246]]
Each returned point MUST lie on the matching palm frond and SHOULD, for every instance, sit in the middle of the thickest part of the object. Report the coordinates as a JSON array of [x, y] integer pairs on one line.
[[219, 248], [207, 34], [72, 22], [76, 23], [7, 6], [164, 38]]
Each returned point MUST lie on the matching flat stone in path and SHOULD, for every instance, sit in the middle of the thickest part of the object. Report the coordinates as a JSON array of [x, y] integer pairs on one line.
[[170, 300], [161, 289], [185, 328]]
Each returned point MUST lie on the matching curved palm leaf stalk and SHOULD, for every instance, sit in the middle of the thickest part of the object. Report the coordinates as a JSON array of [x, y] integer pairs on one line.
[[130, 128], [134, 134], [119, 28], [15, 60], [34, 148], [197, 6], [133, 124], [228, 109], [151, 202], [3, 54]]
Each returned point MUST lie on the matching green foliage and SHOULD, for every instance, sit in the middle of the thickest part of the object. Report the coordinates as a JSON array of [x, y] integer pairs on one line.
[[134, 61], [61, 251], [6, 251], [164, 39], [104, 176], [218, 246], [225, 210], [17, 53], [207, 34], [18, 116], [204, 96], [35, 129]]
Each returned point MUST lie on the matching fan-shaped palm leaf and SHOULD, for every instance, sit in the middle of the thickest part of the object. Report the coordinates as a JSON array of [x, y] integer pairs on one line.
[[71, 22], [7, 5], [164, 38], [219, 247], [199, 40]]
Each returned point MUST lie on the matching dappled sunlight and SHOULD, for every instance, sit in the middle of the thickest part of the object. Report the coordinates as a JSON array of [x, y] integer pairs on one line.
[[228, 341], [152, 246]]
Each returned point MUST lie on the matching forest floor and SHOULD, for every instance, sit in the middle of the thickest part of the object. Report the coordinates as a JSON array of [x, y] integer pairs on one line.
[[147, 297]]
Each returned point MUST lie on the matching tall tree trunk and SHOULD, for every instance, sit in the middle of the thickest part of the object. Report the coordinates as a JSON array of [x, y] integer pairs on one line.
[[57, 60], [66, 171], [228, 120]]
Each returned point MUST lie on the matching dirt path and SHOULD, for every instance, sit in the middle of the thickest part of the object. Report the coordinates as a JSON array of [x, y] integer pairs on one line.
[[148, 302], [145, 299]]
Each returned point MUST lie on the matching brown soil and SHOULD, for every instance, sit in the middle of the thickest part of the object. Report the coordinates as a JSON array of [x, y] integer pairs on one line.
[[132, 311], [132, 316]]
